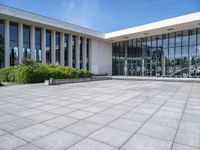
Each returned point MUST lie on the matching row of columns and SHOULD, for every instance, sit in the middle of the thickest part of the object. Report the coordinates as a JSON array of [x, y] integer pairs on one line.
[[43, 46]]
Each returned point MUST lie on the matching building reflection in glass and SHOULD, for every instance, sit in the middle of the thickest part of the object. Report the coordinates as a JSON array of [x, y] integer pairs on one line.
[[171, 54]]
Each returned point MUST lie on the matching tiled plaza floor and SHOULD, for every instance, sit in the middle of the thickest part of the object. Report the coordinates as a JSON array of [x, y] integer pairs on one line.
[[102, 115]]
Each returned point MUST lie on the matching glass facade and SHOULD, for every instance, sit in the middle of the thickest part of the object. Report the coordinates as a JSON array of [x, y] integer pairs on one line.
[[57, 48], [74, 51], [48, 46], [66, 50], [2, 37], [26, 42], [38, 43], [14, 51], [171, 54]]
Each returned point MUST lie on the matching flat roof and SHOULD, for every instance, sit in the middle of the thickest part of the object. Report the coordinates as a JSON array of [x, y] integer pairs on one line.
[[165, 26]]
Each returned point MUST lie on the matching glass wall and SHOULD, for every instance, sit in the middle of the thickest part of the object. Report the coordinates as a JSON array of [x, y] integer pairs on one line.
[[171, 54], [38, 43], [74, 51], [26, 42], [66, 50], [48, 46], [14, 51], [57, 48], [2, 36]]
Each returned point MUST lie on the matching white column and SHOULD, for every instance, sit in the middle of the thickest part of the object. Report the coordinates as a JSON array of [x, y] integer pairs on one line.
[[33, 43], [43, 45], [62, 53], [84, 53], [78, 52], [70, 50], [7, 43], [53, 47], [20, 37]]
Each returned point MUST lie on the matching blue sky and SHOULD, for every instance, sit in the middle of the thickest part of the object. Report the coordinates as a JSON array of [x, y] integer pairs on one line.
[[107, 15]]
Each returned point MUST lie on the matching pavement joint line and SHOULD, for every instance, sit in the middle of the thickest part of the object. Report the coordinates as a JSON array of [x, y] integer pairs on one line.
[[181, 116], [186, 145]]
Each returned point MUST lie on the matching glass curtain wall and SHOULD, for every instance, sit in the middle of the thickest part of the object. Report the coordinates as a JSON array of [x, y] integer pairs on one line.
[[48, 46], [66, 49], [2, 37], [26, 42], [38, 43], [170, 54], [14, 50], [57, 48]]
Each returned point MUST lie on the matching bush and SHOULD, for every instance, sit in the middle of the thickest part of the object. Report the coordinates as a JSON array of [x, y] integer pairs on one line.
[[5, 74], [30, 72]]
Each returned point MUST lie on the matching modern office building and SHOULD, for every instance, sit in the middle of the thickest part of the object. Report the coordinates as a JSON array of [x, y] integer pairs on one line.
[[166, 48]]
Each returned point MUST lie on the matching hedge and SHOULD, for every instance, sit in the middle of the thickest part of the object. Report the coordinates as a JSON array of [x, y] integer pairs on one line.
[[30, 72]]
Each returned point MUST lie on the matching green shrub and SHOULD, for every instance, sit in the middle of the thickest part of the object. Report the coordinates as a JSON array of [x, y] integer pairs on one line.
[[4, 74], [30, 72]]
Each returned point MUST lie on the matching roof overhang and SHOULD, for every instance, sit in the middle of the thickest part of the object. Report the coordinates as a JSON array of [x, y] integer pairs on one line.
[[8, 11], [160, 27]]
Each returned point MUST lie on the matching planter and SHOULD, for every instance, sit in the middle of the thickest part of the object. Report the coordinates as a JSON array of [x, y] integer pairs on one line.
[[52, 81]]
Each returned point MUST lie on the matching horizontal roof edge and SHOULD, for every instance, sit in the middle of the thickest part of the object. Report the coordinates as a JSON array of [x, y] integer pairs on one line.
[[155, 25], [10, 11]]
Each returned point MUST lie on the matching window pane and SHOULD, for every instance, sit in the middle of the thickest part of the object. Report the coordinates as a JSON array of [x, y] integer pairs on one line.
[[165, 40], [38, 51], [14, 53], [185, 38], [171, 39], [66, 50], [74, 51], [57, 48], [2, 37], [48, 46], [178, 38], [193, 37]]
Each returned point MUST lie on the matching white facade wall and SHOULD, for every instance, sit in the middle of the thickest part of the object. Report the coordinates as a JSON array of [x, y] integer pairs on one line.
[[100, 57]]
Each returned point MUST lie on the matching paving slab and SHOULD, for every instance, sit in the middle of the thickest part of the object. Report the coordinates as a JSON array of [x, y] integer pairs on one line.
[[111, 136], [34, 132], [58, 140]]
